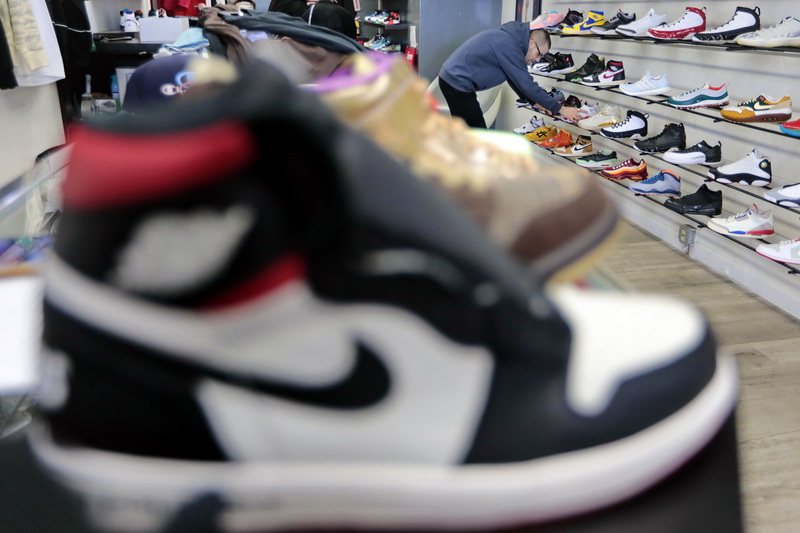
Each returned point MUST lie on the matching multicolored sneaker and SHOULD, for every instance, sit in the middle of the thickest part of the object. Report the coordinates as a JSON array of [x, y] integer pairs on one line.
[[546, 20], [791, 128], [609, 27], [630, 169], [593, 19], [581, 147], [665, 183], [705, 96], [598, 160], [750, 224], [495, 176], [613, 75], [763, 108], [276, 334]]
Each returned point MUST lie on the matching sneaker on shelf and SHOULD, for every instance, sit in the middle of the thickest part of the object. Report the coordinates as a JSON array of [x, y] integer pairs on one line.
[[639, 27], [750, 224], [561, 64], [532, 125], [584, 27], [537, 66], [557, 94], [522, 102], [546, 20], [692, 21], [581, 147], [393, 18], [784, 252], [744, 20], [763, 108], [298, 350], [700, 154], [785, 33], [571, 18], [598, 160], [753, 169], [647, 86], [609, 115], [587, 110], [541, 134], [559, 140], [572, 101], [629, 169], [490, 174], [633, 127], [593, 65], [791, 128], [665, 183], [672, 136], [371, 16], [703, 201], [705, 96], [787, 196], [613, 75], [609, 27]]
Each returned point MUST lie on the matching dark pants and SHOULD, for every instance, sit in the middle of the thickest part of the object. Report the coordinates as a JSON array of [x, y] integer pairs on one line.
[[463, 105]]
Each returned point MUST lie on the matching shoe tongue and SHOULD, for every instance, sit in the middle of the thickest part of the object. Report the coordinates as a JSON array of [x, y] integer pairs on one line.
[[756, 154], [753, 209]]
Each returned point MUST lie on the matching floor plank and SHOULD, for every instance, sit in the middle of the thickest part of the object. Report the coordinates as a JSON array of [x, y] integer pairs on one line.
[[766, 342]]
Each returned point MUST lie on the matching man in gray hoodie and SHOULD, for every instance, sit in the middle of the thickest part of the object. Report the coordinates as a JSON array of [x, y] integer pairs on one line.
[[488, 59]]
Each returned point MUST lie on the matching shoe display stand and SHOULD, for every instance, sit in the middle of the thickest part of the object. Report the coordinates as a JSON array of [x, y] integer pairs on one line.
[[397, 33], [688, 64]]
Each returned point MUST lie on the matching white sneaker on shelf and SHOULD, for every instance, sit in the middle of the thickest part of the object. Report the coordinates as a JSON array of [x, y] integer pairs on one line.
[[534, 124], [647, 86], [784, 251], [753, 169], [787, 196], [785, 33], [639, 27], [750, 224], [609, 115]]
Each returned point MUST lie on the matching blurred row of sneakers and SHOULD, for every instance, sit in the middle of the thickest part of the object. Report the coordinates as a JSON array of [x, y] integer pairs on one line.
[[381, 43], [743, 28]]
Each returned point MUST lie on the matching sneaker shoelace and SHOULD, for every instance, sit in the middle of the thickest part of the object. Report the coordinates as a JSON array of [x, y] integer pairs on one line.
[[781, 29], [686, 14], [737, 16]]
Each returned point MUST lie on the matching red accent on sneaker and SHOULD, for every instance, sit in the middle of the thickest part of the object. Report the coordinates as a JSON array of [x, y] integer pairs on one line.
[[284, 270], [107, 169]]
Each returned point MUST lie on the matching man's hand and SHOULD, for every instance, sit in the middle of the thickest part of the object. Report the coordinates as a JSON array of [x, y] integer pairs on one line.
[[572, 114]]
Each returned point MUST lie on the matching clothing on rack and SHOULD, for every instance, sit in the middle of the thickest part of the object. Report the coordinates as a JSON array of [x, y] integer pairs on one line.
[[237, 48], [36, 44], [7, 78]]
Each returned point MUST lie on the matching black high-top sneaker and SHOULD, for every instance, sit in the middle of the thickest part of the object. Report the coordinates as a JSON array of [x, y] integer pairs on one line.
[[252, 314], [593, 65], [614, 74], [703, 201], [672, 136]]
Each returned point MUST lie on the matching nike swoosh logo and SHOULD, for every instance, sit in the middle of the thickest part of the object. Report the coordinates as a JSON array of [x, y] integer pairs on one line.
[[367, 383], [763, 107]]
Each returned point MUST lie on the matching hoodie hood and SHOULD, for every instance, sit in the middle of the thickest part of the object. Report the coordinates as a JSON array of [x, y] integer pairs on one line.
[[520, 31]]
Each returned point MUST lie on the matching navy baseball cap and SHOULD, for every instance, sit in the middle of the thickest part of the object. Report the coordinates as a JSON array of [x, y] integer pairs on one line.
[[158, 82]]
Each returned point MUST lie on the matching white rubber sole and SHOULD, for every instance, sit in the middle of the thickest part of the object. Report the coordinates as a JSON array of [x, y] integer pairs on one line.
[[689, 159], [774, 43], [135, 494], [651, 92]]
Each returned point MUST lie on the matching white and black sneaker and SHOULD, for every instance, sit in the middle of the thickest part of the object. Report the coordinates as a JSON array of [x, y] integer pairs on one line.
[[561, 64], [744, 20], [335, 351], [610, 26], [613, 75], [701, 153], [633, 127], [753, 169], [787, 196]]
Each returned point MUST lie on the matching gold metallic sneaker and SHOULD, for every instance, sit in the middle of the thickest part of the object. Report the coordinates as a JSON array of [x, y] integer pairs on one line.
[[551, 216], [542, 134]]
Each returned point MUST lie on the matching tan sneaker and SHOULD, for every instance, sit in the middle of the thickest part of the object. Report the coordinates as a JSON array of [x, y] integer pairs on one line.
[[581, 147], [550, 216]]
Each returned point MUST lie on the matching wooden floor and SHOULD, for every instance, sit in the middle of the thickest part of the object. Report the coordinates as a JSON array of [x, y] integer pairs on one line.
[[766, 342]]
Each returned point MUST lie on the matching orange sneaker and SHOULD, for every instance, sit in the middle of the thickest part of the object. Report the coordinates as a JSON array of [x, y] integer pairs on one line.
[[562, 138]]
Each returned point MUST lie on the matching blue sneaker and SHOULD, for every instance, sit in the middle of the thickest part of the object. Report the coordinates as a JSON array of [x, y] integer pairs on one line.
[[665, 183]]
